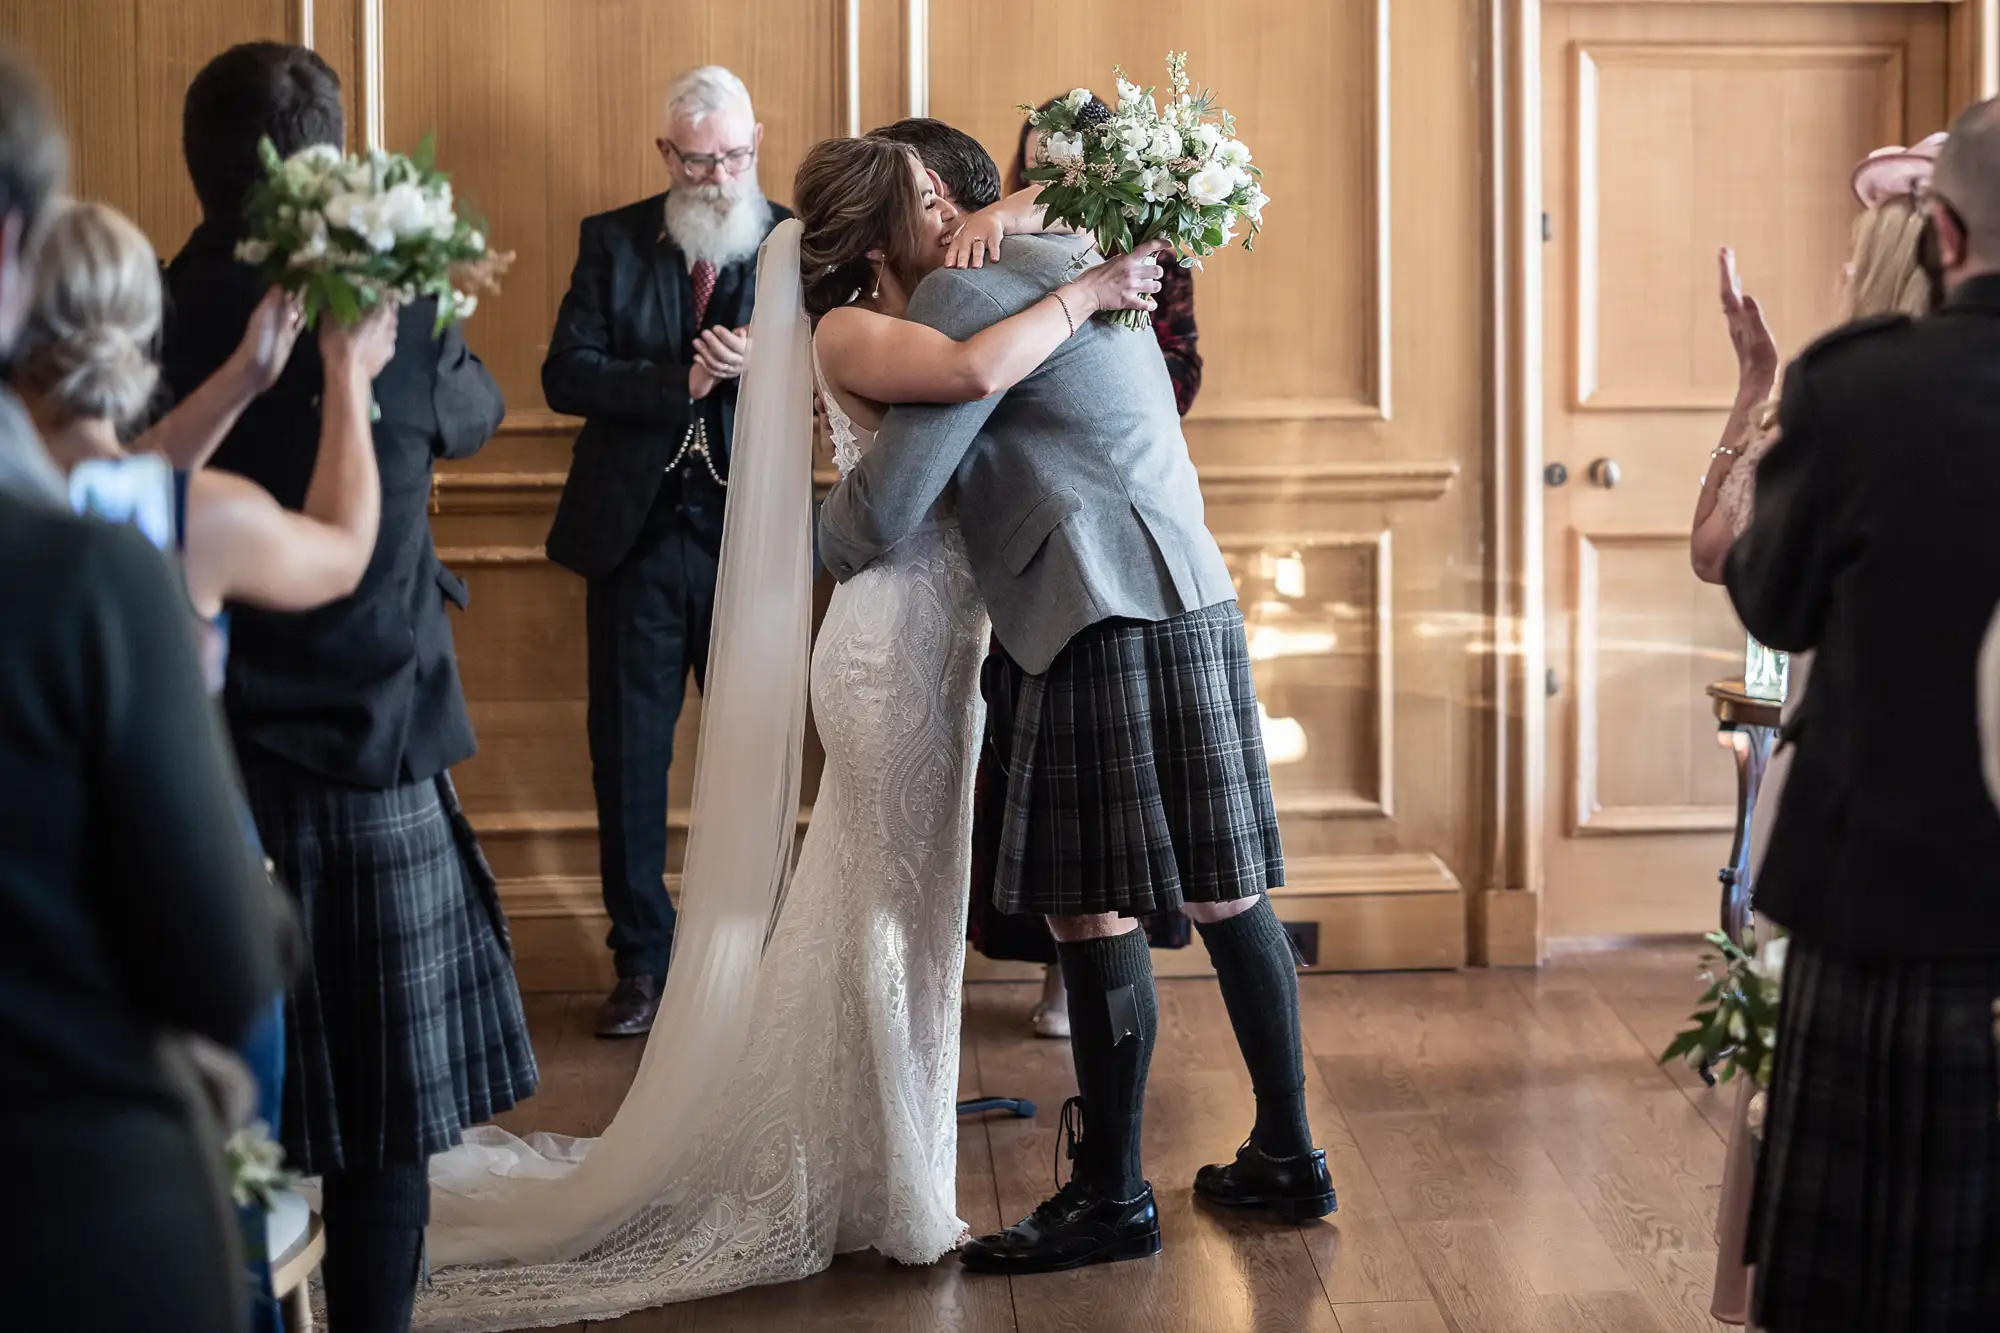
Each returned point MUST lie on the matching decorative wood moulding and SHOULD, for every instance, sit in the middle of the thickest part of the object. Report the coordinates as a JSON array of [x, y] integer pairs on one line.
[[462, 491], [1391, 872], [557, 823], [1588, 816], [1417, 479], [917, 51], [488, 557], [1589, 61]]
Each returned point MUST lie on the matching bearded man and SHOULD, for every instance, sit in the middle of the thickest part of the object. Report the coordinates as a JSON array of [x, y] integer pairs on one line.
[[647, 349]]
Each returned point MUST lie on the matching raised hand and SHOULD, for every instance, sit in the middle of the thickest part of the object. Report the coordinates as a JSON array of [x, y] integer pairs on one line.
[[1128, 282], [977, 239], [1756, 349], [363, 348], [268, 340]]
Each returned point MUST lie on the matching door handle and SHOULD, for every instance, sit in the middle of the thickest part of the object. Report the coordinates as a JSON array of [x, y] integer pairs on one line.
[[1605, 472], [1555, 474]]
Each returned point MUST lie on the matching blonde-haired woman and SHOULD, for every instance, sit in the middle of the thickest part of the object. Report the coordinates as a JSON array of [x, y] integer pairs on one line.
[[1883, 277], [85, 372]]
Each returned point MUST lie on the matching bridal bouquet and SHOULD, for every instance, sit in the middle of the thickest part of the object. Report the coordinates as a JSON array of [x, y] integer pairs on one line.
[[1737, 1029], [1146, 172], [350, 232]]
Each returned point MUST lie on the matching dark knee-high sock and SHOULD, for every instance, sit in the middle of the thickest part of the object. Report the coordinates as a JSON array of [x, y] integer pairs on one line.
[[374, 1246], [1112, 1021], [1260, 983]]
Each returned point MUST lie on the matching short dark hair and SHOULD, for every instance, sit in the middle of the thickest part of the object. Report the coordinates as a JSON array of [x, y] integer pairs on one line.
[[259, 90], [34, 156], [1017, 178], [966, 169]]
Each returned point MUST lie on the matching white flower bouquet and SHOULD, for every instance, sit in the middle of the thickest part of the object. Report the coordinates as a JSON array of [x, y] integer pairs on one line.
[[347, 233], [1145, 172], [256, 1166], [1737, 1030]]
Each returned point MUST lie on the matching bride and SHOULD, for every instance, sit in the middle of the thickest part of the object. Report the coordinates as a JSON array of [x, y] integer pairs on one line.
[[796, 1098]]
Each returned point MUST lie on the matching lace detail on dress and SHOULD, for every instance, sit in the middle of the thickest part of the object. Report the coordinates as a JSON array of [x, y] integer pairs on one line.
[[1738, 497], [840, 427], [838, 1129]]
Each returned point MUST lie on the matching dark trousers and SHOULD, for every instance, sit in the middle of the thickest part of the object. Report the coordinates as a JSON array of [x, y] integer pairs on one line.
[[647, 625]]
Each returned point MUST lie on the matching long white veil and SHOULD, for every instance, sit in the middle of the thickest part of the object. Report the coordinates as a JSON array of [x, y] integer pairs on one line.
[[499, 1198]]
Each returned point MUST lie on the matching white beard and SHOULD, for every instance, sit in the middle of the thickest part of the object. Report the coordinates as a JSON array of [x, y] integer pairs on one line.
[[720, 224]]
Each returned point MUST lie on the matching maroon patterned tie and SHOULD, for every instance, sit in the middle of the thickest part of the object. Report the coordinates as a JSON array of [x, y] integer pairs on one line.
[[704, 287]]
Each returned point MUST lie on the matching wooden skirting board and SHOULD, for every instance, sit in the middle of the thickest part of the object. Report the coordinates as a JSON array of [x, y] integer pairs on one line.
[[1401, 911]]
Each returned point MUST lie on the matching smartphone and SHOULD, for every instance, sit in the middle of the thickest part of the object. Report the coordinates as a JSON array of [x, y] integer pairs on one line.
[[137, 490]]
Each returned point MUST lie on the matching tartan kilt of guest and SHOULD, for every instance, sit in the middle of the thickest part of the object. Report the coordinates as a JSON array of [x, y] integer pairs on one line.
[[1135, 772], [407, 1028], [1878, 1189]]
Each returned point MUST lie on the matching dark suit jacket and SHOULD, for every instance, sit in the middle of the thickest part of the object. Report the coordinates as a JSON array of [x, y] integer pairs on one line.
[[363, 691], [1876, 544], [619, 358]]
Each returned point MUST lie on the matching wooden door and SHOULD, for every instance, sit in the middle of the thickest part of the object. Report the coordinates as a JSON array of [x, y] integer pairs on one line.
[[1669, 131]]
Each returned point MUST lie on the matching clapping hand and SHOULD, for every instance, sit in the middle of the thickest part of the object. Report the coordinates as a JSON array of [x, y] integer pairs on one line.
[[1756, 350], [722, 352]]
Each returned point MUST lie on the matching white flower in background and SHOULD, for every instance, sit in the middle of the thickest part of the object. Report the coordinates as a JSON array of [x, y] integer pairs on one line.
[[1166, 144], [1062, 149], [1234, 153], [1754, 1113], [477, 240], [1738, 1029], [253, 252], [1134, 138], [463, 304], [1207, 137], [1771, 958], [1158, 184], [1078, 98], [1253, 207], [1129, 94], [1211, 185], [365, 216]]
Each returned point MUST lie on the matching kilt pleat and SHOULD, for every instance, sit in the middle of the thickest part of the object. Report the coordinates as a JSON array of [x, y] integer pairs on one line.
[[1878, 1188], [1135, 772], [408, 1027]]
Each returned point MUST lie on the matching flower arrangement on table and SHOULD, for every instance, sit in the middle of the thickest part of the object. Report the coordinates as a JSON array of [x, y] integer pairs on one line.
[[256, 1165], [1736, 1029], [349, 232], [1145, 172]]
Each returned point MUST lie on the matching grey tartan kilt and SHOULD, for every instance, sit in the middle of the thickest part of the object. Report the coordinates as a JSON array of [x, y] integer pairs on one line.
[[1878, 1187], [1135, 771], [407, 1028]]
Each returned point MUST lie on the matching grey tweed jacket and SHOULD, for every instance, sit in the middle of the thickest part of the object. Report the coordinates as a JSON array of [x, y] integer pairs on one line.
[[1075, 492]]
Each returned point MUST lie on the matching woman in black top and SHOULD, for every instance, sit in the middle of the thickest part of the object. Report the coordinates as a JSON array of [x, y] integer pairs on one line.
[[130, 907]]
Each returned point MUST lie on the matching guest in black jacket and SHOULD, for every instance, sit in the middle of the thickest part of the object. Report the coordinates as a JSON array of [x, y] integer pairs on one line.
[[346, 721], [1875, 546], [647, 349], [130, 905]]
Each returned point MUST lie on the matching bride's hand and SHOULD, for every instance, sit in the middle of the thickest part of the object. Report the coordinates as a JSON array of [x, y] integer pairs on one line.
[[1756, 349], [977, 239], [1128, 282]]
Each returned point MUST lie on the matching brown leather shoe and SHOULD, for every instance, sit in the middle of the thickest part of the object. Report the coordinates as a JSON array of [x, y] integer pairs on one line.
[[629, 1010]]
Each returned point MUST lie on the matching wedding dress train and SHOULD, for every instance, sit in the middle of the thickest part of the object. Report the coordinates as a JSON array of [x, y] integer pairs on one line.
[[835, 1130]]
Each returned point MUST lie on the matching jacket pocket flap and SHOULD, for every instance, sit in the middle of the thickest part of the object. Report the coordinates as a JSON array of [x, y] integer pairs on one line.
[[1028, 536]]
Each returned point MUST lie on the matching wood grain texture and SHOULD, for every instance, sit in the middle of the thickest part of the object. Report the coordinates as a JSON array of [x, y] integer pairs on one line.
[[1554, 1184]]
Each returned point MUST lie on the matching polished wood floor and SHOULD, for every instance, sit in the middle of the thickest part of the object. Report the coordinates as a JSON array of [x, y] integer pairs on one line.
[[1509, 1157]]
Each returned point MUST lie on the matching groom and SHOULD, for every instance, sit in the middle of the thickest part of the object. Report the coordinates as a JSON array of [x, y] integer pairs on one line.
[[1124, 715]]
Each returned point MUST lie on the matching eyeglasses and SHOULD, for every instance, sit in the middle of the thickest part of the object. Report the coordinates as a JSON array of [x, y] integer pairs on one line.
[[697, 165]]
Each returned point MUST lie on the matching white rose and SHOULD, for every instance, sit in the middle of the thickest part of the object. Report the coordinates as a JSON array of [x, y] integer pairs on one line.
[[1208, 136], [1166, 145], [1130, 94], [405, 211], [1211, 185], [1134, 138], [1078, 98], [253, 252], [1235, 153], [1062, 149]]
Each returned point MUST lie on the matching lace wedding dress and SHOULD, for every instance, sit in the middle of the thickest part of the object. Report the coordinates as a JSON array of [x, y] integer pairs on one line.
[[836, 1130]]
